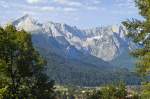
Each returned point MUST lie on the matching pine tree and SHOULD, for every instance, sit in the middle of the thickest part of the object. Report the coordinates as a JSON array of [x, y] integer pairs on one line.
[[139, 31], [21, 67]]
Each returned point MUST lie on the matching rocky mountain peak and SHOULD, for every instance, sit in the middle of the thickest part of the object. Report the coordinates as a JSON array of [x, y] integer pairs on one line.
[[106, 43]]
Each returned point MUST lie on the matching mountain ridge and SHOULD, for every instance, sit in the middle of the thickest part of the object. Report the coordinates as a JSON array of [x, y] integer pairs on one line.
[[80, 57], [106, 43]]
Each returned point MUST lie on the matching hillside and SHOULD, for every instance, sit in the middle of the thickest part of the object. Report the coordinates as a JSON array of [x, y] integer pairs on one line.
[[81, 57]]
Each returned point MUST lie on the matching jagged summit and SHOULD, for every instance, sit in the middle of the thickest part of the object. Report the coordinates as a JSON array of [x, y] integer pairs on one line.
[[26, 16], [28, 23], [106, 43], [23, 18]]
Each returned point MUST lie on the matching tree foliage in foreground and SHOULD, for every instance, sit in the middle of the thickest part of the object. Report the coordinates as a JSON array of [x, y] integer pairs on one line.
[[139, 31], [21, 67], [110, 92]]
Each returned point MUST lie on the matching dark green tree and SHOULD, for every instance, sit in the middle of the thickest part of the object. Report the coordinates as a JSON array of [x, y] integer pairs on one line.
[[21, 67], [121, 91], [110, 92], [139, 31]]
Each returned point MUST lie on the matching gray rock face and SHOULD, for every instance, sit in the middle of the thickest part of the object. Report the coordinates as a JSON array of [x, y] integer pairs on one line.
[[106, 43]]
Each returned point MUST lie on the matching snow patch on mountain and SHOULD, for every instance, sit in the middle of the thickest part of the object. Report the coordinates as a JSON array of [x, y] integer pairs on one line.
[[106, 43]]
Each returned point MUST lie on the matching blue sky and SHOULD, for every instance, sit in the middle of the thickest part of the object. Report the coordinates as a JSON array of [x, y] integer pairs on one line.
[[82, 13]]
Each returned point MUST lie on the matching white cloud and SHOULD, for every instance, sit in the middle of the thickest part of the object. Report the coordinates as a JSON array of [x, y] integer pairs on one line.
[[68, 2], [61, 1], [56, 9], [69, 9], [76, 19], [34, 1], [75, 4], [40, 9], [96, 2], [48, 9], [4, 4], [121, 12], [92, 7], [125, 3]]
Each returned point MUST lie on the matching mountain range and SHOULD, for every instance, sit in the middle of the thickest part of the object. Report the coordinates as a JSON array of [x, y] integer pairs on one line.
[[82, 56]]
